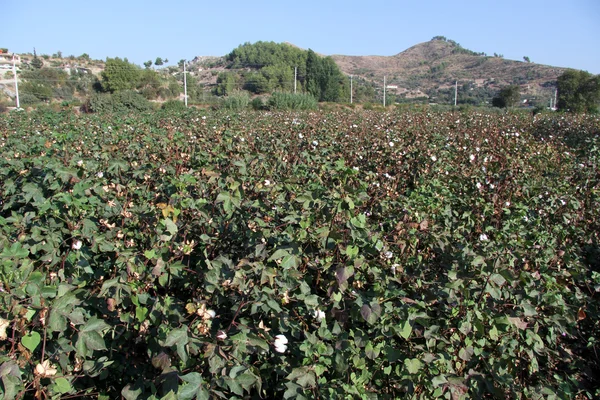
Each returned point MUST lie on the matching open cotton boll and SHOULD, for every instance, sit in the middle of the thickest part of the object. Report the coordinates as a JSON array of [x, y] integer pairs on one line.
[[280, 339], [280, 348], [319, 315]]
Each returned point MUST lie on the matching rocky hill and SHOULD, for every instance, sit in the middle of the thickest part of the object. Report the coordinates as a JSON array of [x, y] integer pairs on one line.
[[436, 65], [428, 72]]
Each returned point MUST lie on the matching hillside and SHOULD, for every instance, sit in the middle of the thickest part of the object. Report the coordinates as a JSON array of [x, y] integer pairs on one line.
[[426, 72], [438, 64]]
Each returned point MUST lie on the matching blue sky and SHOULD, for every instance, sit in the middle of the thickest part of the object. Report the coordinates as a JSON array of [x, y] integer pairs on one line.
[[561, 33]]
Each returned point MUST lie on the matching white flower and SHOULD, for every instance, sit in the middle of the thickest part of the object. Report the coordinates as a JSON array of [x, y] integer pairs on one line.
[[433, 158], [483, 237], [319, 315], [391, 144], [100, 174], [79, 163], [221, 335], [280, 343], [388, 254], [76, 245]]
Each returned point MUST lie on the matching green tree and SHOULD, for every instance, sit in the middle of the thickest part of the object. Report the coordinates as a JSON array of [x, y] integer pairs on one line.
[[148, 64], [226, 83], [324, 79], [158, 61], [508, 96], [119, 74], [526, 59], [36, 62], [578, 92]]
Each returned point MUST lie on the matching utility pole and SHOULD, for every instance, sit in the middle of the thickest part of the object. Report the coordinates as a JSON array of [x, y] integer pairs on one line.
[[184, 84], [295, 76], [455, 92], [350, 89], [384, 91], [16, 82], [555, 97]]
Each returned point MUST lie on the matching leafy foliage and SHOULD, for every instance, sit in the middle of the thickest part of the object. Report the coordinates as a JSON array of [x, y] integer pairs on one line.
[[124, 101], [508, 96], [292, 101], [578, 92], [119, 74], [296, 255]]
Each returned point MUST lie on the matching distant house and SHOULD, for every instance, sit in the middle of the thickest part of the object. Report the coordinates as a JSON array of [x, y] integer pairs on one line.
[[75, 69], [6, 60], [391, 87]]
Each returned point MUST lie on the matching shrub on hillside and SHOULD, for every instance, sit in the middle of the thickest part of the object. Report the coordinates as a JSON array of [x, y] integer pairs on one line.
[[173, 105], [292, 101], [257, 103], [117, 102], [236, 101]]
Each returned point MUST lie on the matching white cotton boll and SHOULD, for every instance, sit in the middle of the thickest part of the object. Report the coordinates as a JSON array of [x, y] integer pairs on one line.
[[76, 245], [472, 157], [280, 343], [319, 315], [300, 136], [212, 313], [433, 158], [281, 339], [315, 143], [221, 335], [281, 348], [267, 182], [483, 237], [391, 144], [100, 174]]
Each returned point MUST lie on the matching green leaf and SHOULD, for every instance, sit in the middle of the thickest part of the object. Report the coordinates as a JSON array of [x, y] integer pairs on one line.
[[246, 380], [62, 385], [406, 330], [132, 392], [528, 310], [176, 336], [94, 325], [193, 387], [413, 365], [93, 340], [31, 341], [290, 261], [466, 353], [303, 376]]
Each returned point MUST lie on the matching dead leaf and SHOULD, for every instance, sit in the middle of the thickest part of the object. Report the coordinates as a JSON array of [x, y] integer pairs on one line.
[[581, 314]]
